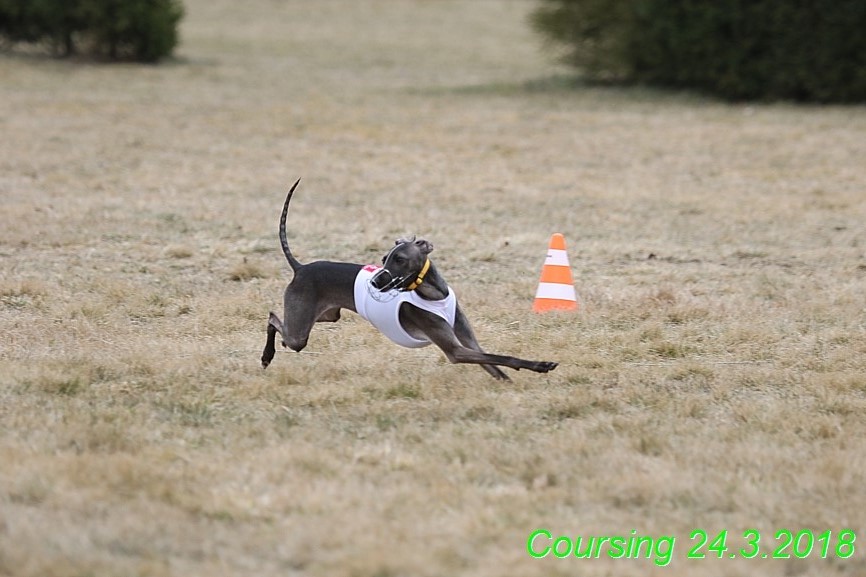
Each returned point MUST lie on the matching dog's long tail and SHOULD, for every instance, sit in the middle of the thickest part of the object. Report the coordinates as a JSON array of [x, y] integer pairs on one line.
[[293, 262]]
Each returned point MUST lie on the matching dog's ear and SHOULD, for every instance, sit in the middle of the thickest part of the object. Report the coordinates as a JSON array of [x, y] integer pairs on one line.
[[404, 240], [425, 246]]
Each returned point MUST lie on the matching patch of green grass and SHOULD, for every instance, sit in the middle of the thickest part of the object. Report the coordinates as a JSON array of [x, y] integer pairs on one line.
[[404, 391]]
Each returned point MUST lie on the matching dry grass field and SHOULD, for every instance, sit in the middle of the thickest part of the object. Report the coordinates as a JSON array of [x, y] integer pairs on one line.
[[714, 379]]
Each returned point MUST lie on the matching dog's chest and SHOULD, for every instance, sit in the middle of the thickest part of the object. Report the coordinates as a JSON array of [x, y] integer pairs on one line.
[[383, 310]]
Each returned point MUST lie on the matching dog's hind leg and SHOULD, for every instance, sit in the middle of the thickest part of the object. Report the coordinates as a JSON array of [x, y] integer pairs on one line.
[[329, 316], [275, 325], [294, 333]]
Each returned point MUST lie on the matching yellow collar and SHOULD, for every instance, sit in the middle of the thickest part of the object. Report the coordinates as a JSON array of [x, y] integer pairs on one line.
[[420, 278]]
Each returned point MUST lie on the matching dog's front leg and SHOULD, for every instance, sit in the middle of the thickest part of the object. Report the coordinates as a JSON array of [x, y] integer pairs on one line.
[[440, 333], [463, 332]]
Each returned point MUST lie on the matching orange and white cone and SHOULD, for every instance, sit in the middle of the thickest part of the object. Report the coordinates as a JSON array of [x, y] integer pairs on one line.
[[556, 287]]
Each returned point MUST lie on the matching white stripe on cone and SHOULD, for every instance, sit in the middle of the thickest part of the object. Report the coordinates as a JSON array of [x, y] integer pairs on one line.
[[549, 290], [556, 257]]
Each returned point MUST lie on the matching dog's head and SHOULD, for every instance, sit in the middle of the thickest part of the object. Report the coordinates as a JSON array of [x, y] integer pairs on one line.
[[404, 267]]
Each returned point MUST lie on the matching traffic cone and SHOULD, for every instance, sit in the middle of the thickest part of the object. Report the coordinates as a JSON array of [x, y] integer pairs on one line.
[[556, 287]]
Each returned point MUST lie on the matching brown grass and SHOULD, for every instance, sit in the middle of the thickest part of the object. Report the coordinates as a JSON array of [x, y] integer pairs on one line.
[[720, 384]]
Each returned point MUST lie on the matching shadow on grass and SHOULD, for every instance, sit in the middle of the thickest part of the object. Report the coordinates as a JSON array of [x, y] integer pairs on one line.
[[43, 53], [574, 85]]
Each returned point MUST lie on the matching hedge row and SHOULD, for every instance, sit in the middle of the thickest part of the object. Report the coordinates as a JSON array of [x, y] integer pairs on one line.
[[810, 50], [143, 30]]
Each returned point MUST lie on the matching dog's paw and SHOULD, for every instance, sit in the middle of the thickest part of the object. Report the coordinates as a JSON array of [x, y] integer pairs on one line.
[[545, 366]]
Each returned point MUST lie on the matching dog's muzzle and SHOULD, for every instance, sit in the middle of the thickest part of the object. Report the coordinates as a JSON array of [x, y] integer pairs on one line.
[[384, 286]]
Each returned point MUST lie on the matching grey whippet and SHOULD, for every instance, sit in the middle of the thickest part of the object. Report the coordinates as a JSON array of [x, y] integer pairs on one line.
[[320, 289]]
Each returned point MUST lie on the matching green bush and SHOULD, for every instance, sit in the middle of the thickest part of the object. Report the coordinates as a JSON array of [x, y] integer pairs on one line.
[[594, 33], [142, 30], [811, 50], [36, 21]]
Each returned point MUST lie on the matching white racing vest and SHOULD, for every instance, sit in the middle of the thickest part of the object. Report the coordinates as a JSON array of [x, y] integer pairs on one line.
[[385, 316]]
